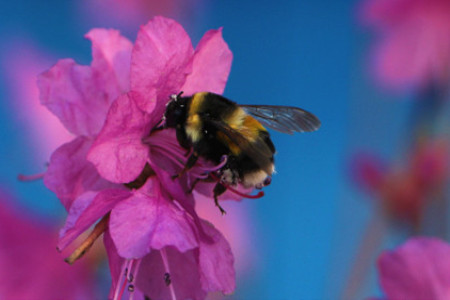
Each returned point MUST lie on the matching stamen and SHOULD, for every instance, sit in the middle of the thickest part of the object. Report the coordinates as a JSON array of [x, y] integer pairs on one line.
[[223, 161], [166, 267], [33, 177], [131, 278], [89, 241], [129, 273], [123, 273], [169, 147], [259, 195]]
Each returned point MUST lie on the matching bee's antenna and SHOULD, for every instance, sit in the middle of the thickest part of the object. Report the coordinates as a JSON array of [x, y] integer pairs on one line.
[[174, 97]]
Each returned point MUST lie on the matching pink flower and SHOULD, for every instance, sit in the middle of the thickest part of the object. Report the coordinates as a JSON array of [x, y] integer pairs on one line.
[[80, 96], [404, 191], [414, 45], [119, 171], [30, 266], [419, 269]]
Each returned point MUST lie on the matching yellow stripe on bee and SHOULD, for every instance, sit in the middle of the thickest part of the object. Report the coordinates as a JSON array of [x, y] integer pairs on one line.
[[247, 125], [194, 123], [196, 102], [236, 118], [194, 127], [250, 128]]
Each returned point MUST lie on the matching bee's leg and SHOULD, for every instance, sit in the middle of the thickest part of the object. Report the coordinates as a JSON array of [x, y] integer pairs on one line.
[[188, 151], [158, 126], [189, 164], [219, 189]]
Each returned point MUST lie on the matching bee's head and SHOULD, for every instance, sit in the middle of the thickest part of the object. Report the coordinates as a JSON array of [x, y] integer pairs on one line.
[[175, 111]]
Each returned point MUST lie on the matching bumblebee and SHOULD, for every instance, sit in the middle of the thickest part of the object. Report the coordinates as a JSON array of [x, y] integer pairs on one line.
[[213, 126]]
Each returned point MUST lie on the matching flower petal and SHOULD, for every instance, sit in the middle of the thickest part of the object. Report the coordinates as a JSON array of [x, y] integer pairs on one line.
[[419, 269], [114, 261], [85, 211], [70, 174], [150, 221], [178, 191], [161, 60], [118, 152], [80, 96], [111, 61], [211, 65], [216, 263], [69, 91], [183, 273]]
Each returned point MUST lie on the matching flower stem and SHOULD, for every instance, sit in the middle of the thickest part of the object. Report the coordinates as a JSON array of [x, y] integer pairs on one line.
[[89, 241], [119, 289]]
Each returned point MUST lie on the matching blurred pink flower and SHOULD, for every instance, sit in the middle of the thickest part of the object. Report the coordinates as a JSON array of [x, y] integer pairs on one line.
[[30, 266], [22, 62], [131, 14], [414, 41], [405, 191], [419, 269], [112, 106]]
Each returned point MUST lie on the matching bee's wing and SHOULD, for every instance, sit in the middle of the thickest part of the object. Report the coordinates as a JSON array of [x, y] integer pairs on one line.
[[285, 119], [257, 149]]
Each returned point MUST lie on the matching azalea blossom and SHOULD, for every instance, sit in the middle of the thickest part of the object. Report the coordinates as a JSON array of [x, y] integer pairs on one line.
[[120, 171], [30, 266], [414, 41], [418, 269], [404, 191]]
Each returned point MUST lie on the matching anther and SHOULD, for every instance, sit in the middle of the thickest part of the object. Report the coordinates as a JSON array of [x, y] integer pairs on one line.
[[167, 279], [131, 288]]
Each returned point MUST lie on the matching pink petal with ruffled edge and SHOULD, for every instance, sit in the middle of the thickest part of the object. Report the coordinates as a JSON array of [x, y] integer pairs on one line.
[[211, 65], [87, 211], [69, 92], [216, 263], [419, 269], [148, 221], [111, 54], [118, 152], [80, 96], [161, 60], [70, 174], [178, 190]]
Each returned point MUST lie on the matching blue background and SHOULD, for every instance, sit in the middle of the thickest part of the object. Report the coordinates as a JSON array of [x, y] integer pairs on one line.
[[306, 53]]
